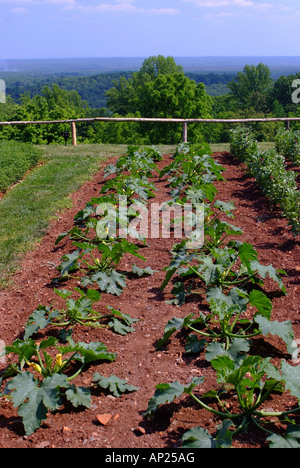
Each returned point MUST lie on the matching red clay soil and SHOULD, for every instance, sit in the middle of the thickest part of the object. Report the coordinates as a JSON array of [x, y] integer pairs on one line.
[[137, 360]]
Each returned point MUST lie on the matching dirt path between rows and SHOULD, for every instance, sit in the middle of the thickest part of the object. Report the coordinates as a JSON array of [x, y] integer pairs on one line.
[[137, 361]]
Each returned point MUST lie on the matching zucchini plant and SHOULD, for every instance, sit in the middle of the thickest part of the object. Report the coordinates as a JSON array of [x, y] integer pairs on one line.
[[78, 312], [235, 265], [44, 374], [250, 382], [133, 188], [98, 264], [227, 325], [140, 162]]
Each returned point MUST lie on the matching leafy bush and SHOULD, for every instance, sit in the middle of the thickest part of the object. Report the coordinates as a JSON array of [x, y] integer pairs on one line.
[[243, 144], [15, 160], [288, 145], [269, 169]]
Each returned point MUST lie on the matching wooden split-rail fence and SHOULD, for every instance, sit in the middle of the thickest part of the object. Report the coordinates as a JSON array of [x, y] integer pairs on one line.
[[184, 122]]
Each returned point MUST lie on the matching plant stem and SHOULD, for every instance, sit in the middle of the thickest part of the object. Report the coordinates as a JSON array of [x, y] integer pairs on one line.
[[245, 280], [232, 335], [40, 361], [91, 267], [215, 412], [66, 366], [240, 427], [76, 373], [265, 397], [196, 272], [260, 427], [212, 335]]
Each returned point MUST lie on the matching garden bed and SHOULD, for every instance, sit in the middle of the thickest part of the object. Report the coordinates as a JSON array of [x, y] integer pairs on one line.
[[137, 360]]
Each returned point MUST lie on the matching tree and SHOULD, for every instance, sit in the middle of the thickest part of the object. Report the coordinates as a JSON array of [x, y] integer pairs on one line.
[[160, 65], [161, 90], [251, 86], [123, 97], [174, 96], [126, 95], [63, 99], [54, 104]]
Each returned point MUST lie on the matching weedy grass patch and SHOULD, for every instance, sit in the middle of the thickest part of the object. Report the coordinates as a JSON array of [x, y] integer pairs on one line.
[[15, 159]]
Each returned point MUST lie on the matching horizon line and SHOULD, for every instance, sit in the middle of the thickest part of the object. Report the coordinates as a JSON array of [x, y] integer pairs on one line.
[[142, 57]]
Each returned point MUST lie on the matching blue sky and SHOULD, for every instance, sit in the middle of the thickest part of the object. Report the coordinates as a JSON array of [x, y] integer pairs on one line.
[[140, 28]]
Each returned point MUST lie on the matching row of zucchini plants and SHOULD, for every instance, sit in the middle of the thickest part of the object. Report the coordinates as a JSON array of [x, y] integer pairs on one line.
[[41, 373], [226, 274], [269, 169]]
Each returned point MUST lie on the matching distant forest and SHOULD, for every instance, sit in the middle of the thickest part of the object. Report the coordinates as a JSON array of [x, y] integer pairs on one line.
[[93, 88]]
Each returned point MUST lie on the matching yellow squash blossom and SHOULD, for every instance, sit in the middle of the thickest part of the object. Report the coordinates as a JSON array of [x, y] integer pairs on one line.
[[36, 367], [59, 361]]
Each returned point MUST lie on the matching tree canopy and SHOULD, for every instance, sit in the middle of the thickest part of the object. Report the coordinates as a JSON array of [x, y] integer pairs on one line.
[[159, 65], [251, 86], [160, 90]]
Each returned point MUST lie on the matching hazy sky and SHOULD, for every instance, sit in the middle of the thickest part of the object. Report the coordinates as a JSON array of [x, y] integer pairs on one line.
[[140, 28]]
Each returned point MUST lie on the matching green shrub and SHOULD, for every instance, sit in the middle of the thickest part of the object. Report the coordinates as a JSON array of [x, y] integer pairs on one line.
[[269, 169], [243, 144], [288, 144]]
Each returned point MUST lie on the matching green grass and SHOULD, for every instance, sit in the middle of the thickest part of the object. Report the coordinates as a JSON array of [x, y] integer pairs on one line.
[[218, 147], [15, 160]]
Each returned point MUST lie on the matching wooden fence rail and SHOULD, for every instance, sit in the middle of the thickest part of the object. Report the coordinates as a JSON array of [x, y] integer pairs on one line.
[[184, 122]]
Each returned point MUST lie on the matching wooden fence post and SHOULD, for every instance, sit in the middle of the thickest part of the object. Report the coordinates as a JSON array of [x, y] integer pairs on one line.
[[184, 133], [74, 134]]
